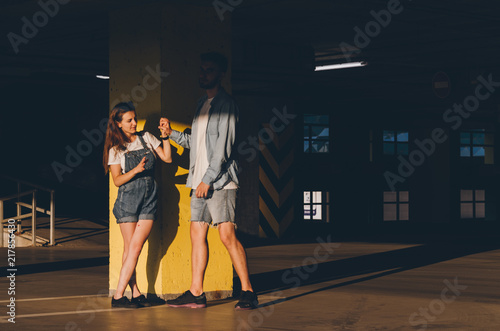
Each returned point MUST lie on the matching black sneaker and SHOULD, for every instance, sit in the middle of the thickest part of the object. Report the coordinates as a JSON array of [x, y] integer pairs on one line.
[[188, 300], [248, 300], [141, 301], [123, 302]]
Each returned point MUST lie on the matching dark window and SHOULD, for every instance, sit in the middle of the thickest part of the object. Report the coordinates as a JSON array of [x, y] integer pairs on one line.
[[395, 142], [396, 206], [477, 144], [316, 134], [472, 204]]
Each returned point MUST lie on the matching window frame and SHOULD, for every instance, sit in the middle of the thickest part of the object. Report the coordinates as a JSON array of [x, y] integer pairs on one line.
[[471, 145], [396, 142], [324, 204], [398, 202], [309, 138], [474, 203]]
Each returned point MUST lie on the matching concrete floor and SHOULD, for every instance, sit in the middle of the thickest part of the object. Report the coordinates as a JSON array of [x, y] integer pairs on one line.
[[313, 286]]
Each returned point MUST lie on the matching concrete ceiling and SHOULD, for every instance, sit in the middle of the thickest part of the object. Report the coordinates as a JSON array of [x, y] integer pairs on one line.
[[424, 37]]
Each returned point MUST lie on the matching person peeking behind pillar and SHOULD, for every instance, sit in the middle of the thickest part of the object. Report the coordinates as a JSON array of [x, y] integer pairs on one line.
[[130, 158], [213, 179]]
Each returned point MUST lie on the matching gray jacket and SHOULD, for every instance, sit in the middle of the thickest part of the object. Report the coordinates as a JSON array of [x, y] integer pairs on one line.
[[221, 135]]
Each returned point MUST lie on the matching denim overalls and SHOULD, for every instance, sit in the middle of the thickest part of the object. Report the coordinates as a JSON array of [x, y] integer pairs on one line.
[[137, 199]]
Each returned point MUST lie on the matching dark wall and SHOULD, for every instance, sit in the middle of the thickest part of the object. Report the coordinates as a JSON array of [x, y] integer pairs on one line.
[[43, 120]]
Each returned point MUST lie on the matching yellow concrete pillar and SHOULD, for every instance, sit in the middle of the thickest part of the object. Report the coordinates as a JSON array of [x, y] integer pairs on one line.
[[154, 61]]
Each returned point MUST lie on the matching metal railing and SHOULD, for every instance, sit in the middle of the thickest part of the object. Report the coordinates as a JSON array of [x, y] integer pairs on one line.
[[33, 206]]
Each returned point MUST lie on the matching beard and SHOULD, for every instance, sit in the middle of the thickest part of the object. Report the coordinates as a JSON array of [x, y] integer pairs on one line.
[[208, 84]]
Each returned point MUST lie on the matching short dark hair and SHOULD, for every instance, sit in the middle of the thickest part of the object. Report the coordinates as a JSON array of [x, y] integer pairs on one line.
[[219, 59]]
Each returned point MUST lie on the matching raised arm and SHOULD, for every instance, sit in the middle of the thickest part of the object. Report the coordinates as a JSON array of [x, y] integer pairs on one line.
[[182, 138], [165, 152]]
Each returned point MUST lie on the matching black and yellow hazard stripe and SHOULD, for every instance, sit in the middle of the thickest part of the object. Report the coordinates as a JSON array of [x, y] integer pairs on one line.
[[276, 177]]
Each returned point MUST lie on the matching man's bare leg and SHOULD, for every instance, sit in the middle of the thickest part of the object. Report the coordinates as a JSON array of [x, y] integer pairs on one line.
[[238, 255], [199, 256]]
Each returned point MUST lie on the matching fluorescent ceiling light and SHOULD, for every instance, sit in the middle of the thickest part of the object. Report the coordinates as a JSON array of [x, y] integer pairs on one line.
[[341, 66], [102, 77]]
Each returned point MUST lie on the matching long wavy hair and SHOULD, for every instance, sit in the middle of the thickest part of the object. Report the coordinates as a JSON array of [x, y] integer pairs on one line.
[[115, 137]]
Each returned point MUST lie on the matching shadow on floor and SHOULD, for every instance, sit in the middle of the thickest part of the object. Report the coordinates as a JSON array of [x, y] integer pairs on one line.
[[385, 263], [58, 265], [73, 230]]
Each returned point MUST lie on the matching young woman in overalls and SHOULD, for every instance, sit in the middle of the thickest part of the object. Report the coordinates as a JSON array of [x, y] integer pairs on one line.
[[130, 157]]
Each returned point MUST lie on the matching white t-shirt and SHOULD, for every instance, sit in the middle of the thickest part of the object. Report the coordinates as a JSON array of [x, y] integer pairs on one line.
[[201, 163], [118, 157]]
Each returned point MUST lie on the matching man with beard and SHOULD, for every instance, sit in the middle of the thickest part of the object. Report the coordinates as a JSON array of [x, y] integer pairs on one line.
[[213, 179]]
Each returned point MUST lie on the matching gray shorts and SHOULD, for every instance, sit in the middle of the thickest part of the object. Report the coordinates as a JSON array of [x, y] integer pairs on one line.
[[136, 200], [217, 208]]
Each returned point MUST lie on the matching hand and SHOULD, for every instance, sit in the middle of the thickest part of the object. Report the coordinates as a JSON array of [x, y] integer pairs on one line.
[[141, 166], [164, 127], [202, 190]]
